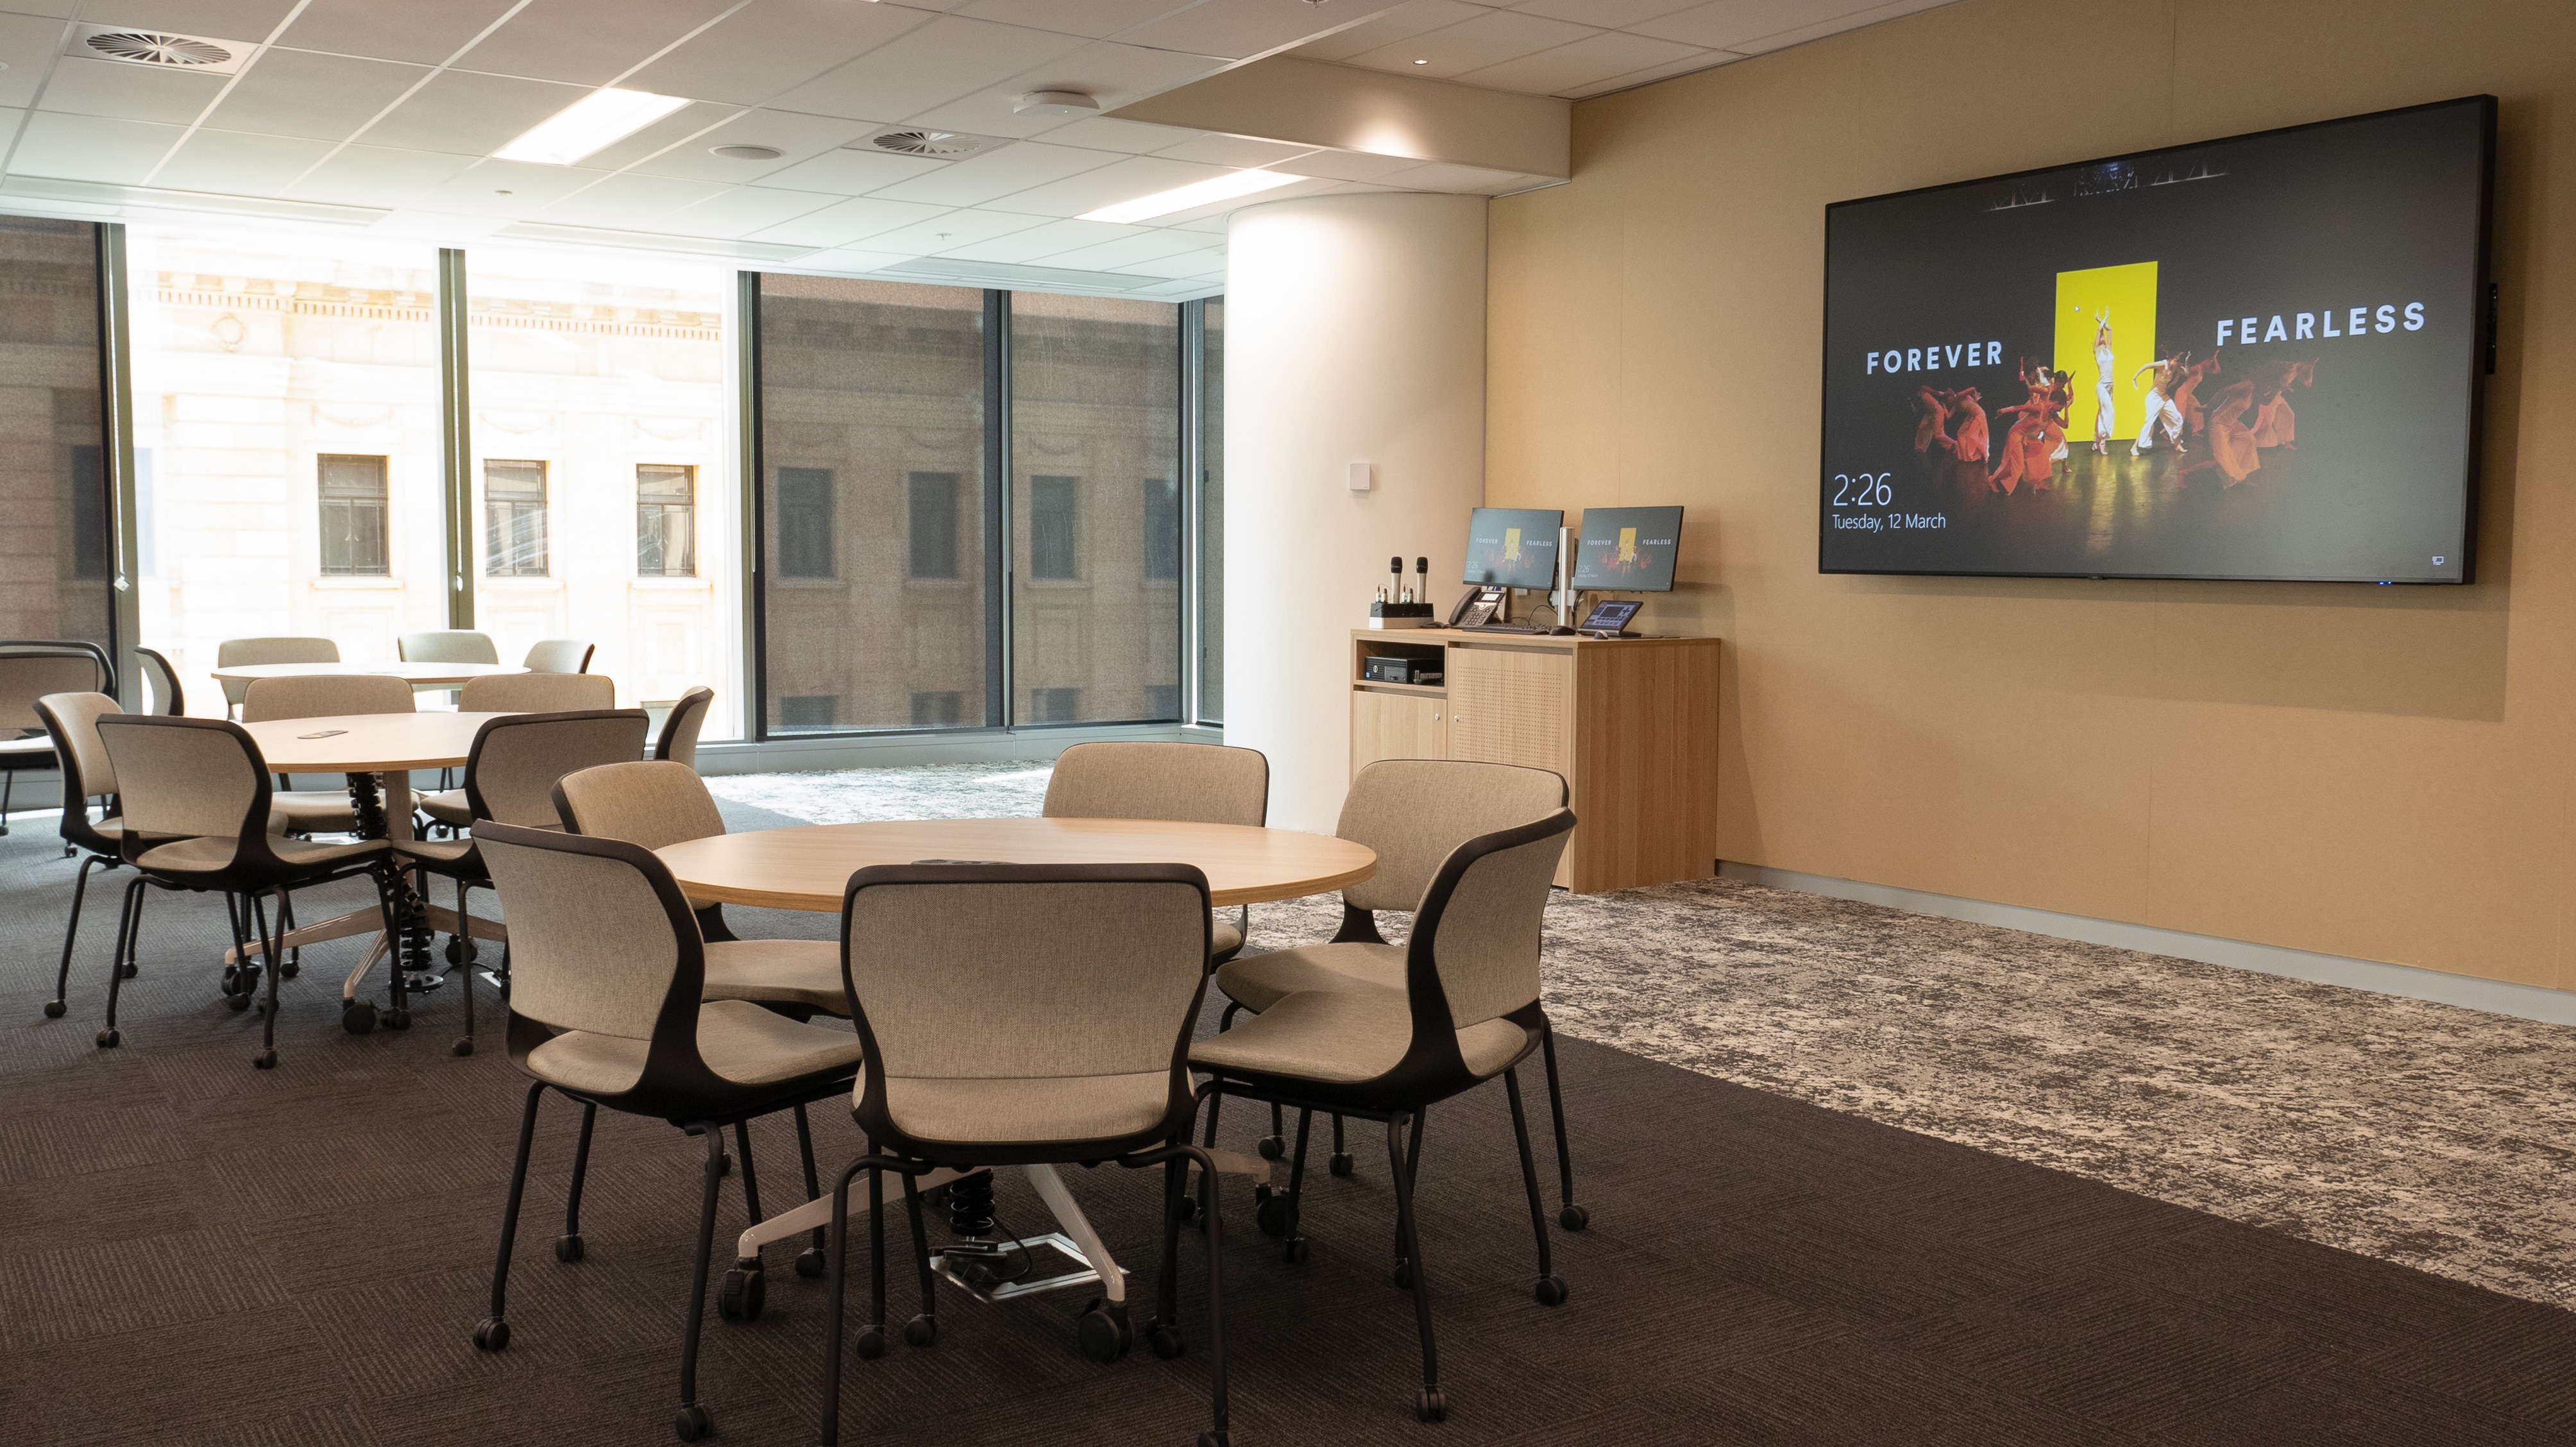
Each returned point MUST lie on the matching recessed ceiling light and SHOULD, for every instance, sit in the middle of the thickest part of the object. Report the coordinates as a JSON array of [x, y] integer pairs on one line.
[[1422, 62], [746, 153], [589, 125], [1197, 193]]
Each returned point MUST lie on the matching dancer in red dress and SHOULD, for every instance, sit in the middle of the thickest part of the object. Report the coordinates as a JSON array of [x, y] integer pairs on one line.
[[2231, 442], [2186, 393], [2275, 425], [1928, 433], [2023, 454], [1968, 436]]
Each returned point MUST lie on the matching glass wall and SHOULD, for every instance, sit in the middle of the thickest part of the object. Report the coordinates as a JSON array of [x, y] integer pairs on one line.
[[872, 415], [286, 436], [602, 399], [1211, 518], [55, 550], [1095, 391]]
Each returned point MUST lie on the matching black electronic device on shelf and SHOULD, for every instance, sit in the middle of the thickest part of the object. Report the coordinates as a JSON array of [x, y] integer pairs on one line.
[[1609, 618], [1380, 668]]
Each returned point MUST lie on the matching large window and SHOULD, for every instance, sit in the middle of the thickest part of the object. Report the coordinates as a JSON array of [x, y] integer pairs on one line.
[[353, 537], [666, 521], [53, 497], [514, 519], [1211, 513]]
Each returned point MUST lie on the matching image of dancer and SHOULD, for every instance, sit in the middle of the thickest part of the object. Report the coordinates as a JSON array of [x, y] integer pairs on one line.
[[2160, 407], [2105, 401], [2186, 393], [2275, 425], [2231, 442], [1929, 430], [1968, 430], [2022, 456], [2061, 396]]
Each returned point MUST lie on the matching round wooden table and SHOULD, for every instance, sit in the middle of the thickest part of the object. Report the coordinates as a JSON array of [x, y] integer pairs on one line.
[[419, 675], [808, 867]]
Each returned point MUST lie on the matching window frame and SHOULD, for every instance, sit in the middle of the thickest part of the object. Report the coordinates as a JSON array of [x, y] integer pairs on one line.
[[494, 550], [382, 503], [661, 511]]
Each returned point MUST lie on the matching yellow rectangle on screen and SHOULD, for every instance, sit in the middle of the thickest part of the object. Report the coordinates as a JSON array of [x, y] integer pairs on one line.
[[2121, 299]]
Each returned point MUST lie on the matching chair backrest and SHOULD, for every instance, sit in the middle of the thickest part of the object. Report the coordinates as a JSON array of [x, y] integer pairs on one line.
[[511, 771], [446, 645], [601, 940], [185, 778], [560, 655], [537, 693], [930, 951], [679, 738], [1415, 812], [655, 803], [163, 680], [72, 719], [1477, 935], [247, 652], [1193, 783], [324, 695], [31, 668]]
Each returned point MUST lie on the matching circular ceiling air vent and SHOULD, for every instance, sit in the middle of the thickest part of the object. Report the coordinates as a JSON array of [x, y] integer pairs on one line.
[[746, 153], [927, 143], [144, 47]]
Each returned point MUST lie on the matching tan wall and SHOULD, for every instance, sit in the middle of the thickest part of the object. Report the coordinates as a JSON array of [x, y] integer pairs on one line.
[[2366, 771]]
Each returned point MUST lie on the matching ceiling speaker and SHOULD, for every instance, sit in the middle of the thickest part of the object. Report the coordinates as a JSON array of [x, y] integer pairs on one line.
[[746, 153]]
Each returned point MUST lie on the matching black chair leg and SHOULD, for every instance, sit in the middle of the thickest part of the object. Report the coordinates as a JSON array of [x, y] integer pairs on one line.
[[872, 1342], [839, 1226], [271, 945], [8, 788], [464, 970], [746, 1285], [809, 1262], [129, 923], [1549, 1289], [1207, 1177], [1428, 1405], [1280, 1214], [568, 1246], [493, 1333], [1341, 1163], [1274, 1145], [694, 1420], [1163, 1332], [1216, 1436], [55, 1007], [1572, 1217], [1404, 1257], [923, 1329]]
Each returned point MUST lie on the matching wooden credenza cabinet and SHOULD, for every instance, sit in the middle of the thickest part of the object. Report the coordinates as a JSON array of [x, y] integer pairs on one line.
[[1630, 722]]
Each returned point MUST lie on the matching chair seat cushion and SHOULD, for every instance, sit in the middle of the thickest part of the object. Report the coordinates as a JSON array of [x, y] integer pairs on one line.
[[1260, 981], [35, 751], [113, 828], [443, 854], [315, 811], [739, 1041], [1030, 1110], [787, 972], [209, 856], [1345, 1036], [447, 806], [1223, 935]]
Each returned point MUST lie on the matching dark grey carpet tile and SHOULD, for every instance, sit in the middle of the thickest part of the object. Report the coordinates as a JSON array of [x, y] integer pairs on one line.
[[81, 1288]]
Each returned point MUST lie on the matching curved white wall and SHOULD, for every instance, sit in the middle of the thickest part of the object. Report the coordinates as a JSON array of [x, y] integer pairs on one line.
[[1354, 332]]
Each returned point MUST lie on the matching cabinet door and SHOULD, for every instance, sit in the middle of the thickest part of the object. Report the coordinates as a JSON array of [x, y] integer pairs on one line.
[[1397, 726], [1512, 706]]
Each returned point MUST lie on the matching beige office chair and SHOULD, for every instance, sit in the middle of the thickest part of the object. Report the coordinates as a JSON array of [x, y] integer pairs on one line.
[[608, 1009], [31, 668], [517, 693], [560, 655], [1027, 1015], [248, 652], [1466, 1011], [678, 741], [162, 680], [321, 695], [1192, 783], [447, 645]]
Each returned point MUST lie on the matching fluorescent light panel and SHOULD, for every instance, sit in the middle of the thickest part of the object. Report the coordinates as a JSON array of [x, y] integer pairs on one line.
[[1197, 193], [591, 124]]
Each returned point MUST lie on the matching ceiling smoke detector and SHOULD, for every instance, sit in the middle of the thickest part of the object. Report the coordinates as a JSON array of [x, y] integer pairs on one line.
[[160, 49], [1055, 103], [940, 145]]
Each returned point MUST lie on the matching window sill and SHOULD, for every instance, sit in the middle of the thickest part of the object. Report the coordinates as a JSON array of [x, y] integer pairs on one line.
[[1057, 584], [359, 583], [939, 585]]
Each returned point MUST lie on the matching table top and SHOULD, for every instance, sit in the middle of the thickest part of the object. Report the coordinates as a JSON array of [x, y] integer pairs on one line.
[[368, 743], [419, 673], [807, 867]]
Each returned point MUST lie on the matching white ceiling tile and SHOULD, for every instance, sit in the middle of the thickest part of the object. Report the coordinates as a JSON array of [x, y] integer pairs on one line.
[[242, 165], [1045, 239], [795, 137], [1724, 23], [585, 42], [1201, 260], [1348, 165], [1487, 39], [629, 200], [376, 176], [1703, 60], [1206, 224], [127, 92], [1236, 29], [1405, 21], [1833, 25], [1155, 243], [938, 62], [1233, 151], [421, 34], [742, 210], [773, 45], [1596, 58], [506, 188], [851, 172], [468, 114], [1121, 181], [1134, 137], [955, 228], [1113, 75], [320, 97], [1609, 14], [848, 259], [244, 20], [1091, 17], [27, 47], [90, 148], [680, 126], [999, 172], [847, 222]]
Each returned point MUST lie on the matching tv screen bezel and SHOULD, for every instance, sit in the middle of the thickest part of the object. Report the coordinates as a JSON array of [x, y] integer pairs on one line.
[[2480, 361]]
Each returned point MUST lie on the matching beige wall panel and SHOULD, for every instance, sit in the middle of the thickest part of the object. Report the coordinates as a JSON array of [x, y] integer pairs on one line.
[[2379, 773]]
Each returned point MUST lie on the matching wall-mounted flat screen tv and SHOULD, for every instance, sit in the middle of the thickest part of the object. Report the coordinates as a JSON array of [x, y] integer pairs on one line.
[[1513, 547], [2247, 358]]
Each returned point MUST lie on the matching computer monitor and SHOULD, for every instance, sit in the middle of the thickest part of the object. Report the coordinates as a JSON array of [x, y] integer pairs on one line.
[[1627, 549], [1513, 547]]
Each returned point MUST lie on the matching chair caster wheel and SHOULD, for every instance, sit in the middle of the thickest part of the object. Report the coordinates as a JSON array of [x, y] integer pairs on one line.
[[1340, 1164], [1166, 1341], [237, 1003], [1294, 1251], [1401, 1278], [921, 1331], [461, 1047], [1573, 1218], [398, 1018], [265, 1060], [1430, 1406], [1271, 1147], [810, 1263], [1103, 1332], [128, 970], [1550, 1291], [459, 951], [493, 1334], [740, 1297], [1189, 1208], [871, 1344], [1215, 1439], [290, 970], [693, 1423], [109, 1039], [53, 1009], [358, 1017], [568, 1248], [1277, 1216], [724, 1164]]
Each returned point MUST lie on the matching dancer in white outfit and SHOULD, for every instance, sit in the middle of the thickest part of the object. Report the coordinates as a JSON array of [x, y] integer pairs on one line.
[[2160, 407], [2104, 400]]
